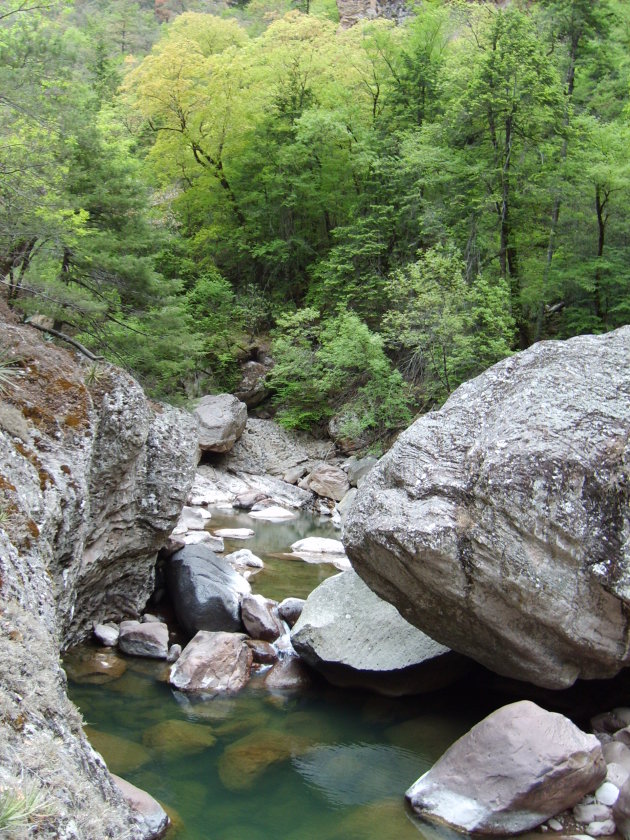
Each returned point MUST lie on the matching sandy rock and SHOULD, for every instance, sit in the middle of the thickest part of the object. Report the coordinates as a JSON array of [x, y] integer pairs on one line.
[[260, 618], [353, 638], [213, 663], [290, 609], [205, 590], [153, 817], [512, 771], [221, 420], [106, 634], [328, 481], [490, 522]]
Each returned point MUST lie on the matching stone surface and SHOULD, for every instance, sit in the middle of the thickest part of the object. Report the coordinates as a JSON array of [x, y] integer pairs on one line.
[[245, 760], [245, 557], [499, 523], [321, 550], [213, 663], [358, 468], [221, 420], [177, 737], [222, 485], [607, 793], [263, 652], [290, 609], [121, 755], [617, 753], [153, 817], [106, 634], [234, 533], [205, 538], [592, 813], [247, 500], [326, 480], [353, 11], [512, 771], [621, 811], [354, 638], [260, 618], [601, 829], [273, 513], [192, 519], [251, 389], [94, 476], [205, 590], [150, 639], [93, 666], [289, 674]]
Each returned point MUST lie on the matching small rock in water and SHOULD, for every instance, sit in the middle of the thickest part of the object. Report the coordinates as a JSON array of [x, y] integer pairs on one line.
[[106, 634], [290, 610], [289, 674], [205, 538], [144, 639], [247, 500], [607, 793], [234, 533], [245, 557], [273, 514]]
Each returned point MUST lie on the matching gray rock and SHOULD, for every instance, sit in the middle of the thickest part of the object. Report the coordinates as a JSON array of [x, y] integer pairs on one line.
[[153, 818], [617, 753], [617, 774], [601, 829], [358, 468], [213, 663], [205, 590], [496, 522], [353, 638], [273, 513], [148, 618], [321, 550], [221, 485], [221, 420], [512, 771], [251, 389], [106, 634], [290, 609], [263, 652], [289, 674], [592, 813], [247, 500], [174, 652], [245, 557], [326, 480], [260, 618], [621, 811], [192, 519], [149, 639], [204, 538], [346, 503]]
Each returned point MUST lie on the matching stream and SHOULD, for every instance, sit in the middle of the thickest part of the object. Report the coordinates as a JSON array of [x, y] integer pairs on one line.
[[324, 764]]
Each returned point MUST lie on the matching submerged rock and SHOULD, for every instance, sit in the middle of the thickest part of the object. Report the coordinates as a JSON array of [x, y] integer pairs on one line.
[[245, 760], [153, 817], [175, 737], [213, 663], [205, 590], [120, 754], [353, 638], [512, 771], [499, 523], [96, 667], [221, 420]]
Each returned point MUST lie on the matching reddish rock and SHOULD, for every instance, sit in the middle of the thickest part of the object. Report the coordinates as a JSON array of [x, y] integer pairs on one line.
[[213, 662]]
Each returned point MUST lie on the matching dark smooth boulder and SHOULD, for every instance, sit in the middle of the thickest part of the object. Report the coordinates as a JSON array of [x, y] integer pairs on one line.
[[499, 523], [512, 771], [354, 638], [205, 590]]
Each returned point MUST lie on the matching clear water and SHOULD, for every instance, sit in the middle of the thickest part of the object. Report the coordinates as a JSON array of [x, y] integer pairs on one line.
[[325, 764]]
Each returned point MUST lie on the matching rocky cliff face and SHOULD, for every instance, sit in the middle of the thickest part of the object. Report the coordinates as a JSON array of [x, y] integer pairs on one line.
[[92, 479], [500, 525], [352, 11]]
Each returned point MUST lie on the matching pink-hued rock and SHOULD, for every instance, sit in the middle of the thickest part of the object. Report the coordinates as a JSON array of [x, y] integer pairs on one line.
[[260, 618], [510, 773], [328, 481], [213, 662], [153, 818], [147, 639]]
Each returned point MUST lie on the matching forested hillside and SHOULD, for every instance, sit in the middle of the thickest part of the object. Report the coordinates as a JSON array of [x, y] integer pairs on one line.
[[397, 207]]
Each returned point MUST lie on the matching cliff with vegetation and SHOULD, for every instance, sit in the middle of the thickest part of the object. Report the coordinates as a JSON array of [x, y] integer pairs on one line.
[[92, 479]]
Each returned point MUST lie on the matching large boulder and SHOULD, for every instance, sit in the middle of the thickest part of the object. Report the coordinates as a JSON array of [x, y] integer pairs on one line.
[[150, 639], [510, 773], [500, 523], [354, 638], [205, 590], [328, 481], [213, 663], [221, 420]]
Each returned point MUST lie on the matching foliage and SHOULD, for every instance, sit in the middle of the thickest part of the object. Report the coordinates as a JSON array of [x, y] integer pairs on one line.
[[23, 807]]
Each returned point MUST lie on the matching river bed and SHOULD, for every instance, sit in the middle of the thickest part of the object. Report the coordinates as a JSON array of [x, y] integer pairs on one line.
[[324, 764]]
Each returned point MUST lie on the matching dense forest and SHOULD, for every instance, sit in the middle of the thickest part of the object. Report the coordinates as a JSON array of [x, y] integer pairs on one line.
[[392, 207]]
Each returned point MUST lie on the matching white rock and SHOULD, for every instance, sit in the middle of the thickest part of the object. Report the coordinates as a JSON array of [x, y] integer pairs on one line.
[[592, 813], [211, 540], [106, 634], [555, 825], [601, 829], [245, 557], [318, 545], [193, 518], [273, 514], [234, 533], [607, 793]]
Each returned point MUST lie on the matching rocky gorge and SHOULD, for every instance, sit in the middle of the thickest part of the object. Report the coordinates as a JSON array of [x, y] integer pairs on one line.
[[80, 544]]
